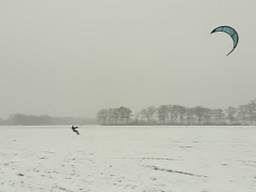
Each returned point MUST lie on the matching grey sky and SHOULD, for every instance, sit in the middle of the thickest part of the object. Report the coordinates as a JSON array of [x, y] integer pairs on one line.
[[73, 57]]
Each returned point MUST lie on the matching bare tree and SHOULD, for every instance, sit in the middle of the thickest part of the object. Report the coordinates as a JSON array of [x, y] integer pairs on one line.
[[163, 113], [148, 113], [231, 114]]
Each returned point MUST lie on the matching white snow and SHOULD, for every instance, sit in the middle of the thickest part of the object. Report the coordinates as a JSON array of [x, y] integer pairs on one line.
[[128, 159]]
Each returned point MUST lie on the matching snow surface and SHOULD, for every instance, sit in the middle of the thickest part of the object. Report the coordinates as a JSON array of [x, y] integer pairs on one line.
[[128, 159]]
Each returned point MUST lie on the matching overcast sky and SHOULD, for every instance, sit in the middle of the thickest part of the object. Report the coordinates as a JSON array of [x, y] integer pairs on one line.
[[74, 57]]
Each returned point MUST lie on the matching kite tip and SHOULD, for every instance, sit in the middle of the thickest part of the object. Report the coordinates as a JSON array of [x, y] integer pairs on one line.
[[230, 52], [212, 31]]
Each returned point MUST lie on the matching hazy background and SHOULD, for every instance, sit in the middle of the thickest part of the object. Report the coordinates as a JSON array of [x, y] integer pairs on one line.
[[63, 57]]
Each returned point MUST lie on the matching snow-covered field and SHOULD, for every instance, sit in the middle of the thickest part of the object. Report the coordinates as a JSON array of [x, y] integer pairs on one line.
[[122, 159]]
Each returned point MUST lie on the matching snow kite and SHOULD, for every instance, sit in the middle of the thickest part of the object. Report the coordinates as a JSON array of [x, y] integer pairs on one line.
[[231, 32]]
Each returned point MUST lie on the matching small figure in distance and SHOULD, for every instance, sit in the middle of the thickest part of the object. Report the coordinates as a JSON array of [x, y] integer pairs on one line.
[[74, 129]]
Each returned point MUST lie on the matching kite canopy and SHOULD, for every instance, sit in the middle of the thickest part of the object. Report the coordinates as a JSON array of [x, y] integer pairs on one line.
[[231, 32]]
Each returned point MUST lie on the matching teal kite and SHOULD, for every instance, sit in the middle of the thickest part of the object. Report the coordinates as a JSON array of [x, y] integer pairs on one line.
[[231, 32]]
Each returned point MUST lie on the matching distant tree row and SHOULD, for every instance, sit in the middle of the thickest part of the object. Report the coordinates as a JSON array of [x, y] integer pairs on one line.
[[114, 116], [180, 115], [22, 119]]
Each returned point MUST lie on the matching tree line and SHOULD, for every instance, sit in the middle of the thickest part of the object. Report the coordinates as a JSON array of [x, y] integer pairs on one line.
[[179, 115], [23, 119]]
